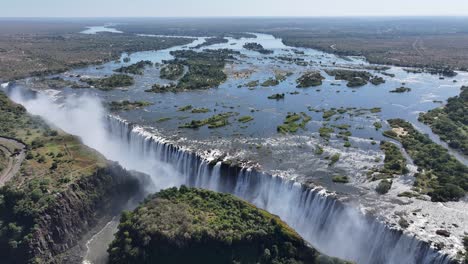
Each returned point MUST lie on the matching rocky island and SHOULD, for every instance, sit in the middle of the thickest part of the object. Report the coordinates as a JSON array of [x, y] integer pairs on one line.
[[189, 225]]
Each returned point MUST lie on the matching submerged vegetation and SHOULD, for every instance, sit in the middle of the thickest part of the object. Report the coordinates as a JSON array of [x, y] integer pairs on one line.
[[245, 119], [218, 120], [276, 96], [340, 179], [189, 225], [451, 121], [401, 90], [293, 122], [440, 175]]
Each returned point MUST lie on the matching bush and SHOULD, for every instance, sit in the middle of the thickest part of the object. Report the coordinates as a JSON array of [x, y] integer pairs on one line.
[[384, 186]]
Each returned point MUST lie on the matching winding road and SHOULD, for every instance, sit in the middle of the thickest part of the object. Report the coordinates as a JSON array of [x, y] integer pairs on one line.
[[16, 153]]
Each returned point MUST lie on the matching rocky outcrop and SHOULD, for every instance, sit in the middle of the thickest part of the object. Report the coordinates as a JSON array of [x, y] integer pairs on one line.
[[78, 209]]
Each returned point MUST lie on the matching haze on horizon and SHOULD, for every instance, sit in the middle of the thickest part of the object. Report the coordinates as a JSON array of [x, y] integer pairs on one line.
[[216, 8]]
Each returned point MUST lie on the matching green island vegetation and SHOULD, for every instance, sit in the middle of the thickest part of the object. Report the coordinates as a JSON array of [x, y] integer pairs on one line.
[[245, 119], [377, 125], [276, 96], [375, 110], [185, 108], [270, 82], [440, 175], [354, 78], [126, 105], [163, 119], [171, 71], [334, 159], [347, 144], [200, 110], [310, 79], [162, 88], [388, 74], [280, 77], [293, 122], [377, 80], [189, 225], [318, 150], [325, 132], [451, 121], [401, 90], [340, 179], [211, 41], [442, 71], [205, 68], [111, 82], [394, 162], [327, 114], [54, 163], [465, 244], [384, 186], [252, 84], [257, 47], [136, 68], [215, 121], [55, 83]]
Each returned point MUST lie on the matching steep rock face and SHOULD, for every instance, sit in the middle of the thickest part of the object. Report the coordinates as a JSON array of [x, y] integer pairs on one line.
[[190, 225], [77, 210]]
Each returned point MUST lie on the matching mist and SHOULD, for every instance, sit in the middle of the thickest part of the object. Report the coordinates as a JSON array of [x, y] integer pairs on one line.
[[334, 228]]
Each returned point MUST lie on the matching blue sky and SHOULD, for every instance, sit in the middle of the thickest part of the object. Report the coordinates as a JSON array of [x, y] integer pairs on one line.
[[191, 8]]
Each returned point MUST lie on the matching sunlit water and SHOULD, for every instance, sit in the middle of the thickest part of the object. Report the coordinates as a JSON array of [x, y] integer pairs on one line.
[[291, 156]]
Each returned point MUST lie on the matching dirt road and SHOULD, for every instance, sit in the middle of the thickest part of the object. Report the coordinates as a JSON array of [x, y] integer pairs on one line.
[[16, 153]]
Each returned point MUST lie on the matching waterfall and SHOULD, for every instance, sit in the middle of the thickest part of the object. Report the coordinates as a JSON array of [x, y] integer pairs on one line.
[[329, 225], [334, 228]]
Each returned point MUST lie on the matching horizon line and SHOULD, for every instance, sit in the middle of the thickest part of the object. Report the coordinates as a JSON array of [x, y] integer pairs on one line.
[[205, 17]]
